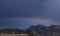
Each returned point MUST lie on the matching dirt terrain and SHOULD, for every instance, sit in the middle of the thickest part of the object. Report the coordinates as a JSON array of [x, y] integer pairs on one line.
[[14, 34]]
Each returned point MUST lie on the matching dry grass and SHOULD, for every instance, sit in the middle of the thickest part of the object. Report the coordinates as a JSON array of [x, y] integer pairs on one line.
[[14, 34]]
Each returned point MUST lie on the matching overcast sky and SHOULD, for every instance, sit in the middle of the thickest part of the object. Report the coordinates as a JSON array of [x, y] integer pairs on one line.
[[30, 8]]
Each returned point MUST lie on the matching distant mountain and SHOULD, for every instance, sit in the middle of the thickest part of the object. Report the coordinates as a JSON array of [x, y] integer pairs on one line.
[[45, 30], [3, 27], [10, 30], [36, 29]]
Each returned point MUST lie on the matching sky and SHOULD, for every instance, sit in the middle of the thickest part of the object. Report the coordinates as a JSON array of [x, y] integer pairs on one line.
[[49, 9], [23, 23]]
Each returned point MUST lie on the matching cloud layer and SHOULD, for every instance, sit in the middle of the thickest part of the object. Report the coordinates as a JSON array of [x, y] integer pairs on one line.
[[30, 8]]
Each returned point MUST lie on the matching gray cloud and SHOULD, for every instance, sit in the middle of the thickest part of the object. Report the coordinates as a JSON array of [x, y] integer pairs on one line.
[[30, 8]]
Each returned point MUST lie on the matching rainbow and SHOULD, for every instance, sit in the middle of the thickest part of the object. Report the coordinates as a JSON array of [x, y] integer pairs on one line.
[[43, 20]]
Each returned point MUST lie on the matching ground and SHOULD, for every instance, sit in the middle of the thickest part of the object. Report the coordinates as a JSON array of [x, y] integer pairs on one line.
[[14, 34]]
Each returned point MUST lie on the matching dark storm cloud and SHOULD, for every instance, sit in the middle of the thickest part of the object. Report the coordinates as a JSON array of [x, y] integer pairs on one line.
[[18, 8], [13, 8], [30, 8]]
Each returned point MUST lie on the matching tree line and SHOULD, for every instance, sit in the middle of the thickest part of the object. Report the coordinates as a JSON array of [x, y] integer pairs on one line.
[[39, 29]]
